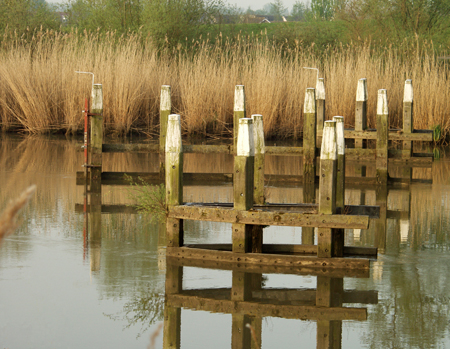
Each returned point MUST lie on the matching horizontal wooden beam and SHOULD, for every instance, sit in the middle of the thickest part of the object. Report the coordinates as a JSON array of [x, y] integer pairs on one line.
[[132, 147], [267, 259], [226, 306], [397, 135], [349, 251], [259, 217], [266, 268]]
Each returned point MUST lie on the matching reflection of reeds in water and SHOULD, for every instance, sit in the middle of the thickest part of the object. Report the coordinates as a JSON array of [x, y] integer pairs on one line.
[[41, 92], [8, 218]]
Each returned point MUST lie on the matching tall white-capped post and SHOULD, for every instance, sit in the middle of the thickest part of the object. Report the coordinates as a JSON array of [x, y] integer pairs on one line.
[[327, 187], [361, 110], [239, 111], [243, 182], [408, 117], [338, 235], [340, 174], [309, 137], [174, 179], [258, 133], [320, 106], [165, 107], [382, 136], [96, 131]]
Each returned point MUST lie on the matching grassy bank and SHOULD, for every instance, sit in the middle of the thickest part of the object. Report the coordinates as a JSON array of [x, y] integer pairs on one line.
[[40, 92]]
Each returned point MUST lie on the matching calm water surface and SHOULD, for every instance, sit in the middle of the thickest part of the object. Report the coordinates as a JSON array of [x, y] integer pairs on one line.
[[59, 291]]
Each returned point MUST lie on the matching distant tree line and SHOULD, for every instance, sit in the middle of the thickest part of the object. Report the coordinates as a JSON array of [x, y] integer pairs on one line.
[[171, 22]]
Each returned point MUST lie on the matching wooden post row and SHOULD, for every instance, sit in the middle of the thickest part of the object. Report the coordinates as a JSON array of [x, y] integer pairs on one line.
[[164, 111], [174, 179]]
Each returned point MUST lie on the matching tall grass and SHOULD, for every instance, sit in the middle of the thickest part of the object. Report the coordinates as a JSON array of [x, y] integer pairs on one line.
[[40, 92]]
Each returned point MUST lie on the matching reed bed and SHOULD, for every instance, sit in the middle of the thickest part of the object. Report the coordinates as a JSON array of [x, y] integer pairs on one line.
[[40, 92]]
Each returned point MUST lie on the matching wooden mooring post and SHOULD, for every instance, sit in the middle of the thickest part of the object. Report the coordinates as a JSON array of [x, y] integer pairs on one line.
[[239, 112], [309, 137], [408, 126], [165, 108], [243, 183], [361, 111], [96, 132], [382, 137], [320, 107], [174, 178]]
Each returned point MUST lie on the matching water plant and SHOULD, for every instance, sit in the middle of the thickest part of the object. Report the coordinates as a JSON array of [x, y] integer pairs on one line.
[[151, 199]]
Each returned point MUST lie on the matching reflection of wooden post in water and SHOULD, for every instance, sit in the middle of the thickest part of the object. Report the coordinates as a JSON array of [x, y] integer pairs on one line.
[[320, 107], [240, 291], [382, 137], [172, 315], [329, 294], [95, 215], [243, 178], [381, 223], [239, 112], [164, 111], [408, 126], [327, 188], [174, 179], [162, 243], [309, 155], [95, 224]]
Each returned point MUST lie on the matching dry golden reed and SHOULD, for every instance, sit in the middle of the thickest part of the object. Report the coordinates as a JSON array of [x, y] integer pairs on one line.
[[40, 92]]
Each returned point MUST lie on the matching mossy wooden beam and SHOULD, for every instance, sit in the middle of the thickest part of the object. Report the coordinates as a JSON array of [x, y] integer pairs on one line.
[[382, 137], [174, 178], [239, 111], [395, 135], [309, 136], [278, 218]]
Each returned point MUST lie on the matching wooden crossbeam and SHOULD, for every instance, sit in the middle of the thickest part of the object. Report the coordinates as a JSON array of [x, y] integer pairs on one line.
[[259, 217]]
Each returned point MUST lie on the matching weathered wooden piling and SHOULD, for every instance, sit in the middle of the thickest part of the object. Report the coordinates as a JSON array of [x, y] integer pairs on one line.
[[327, 187], [309, 136], [243, 177], [165, 107], [96, 133], [320, 106], [382, 137], [361, 110], [239, 111], [340, 175], [258, 133], [408, 116], [174, 178]]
